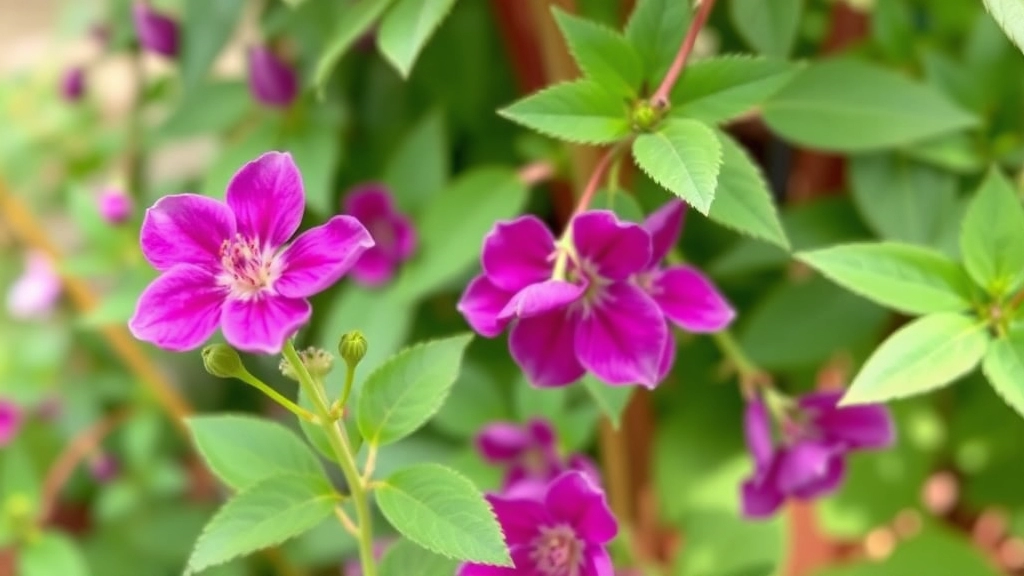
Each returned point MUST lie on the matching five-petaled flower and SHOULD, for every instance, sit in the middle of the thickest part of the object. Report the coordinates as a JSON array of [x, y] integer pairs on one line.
[[529, 453], [227, 265], [391, 230], [560, 532], [10, 421], [809, 461]]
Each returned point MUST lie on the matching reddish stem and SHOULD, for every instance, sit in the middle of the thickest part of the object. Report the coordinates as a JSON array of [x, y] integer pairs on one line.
[[595, 178], [660, 96]]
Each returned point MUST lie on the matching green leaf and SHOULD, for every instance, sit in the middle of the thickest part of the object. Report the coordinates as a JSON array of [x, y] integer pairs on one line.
[[52, 554], [1009, 14], [210, 108], [405, 29], [243, 450], [656, 29], [235, 153], [849, 106], [315, 146], [476, 399], [770, 27], [263, 515], [404, 558], [603, 54], [1004, 367], [742, 199], [206, 29], [408, 389], [711, 545], [419, 167], [927, 353], [612, 400], [935, 550], [992, 236], [904, 277], [684, 157], [581, 111], [719, 89], [442, 511], [356, 19]]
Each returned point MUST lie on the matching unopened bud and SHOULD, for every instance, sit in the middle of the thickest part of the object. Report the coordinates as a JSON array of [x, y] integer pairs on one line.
[[318, 363], [352, 347], [645, 116], [222, 361]]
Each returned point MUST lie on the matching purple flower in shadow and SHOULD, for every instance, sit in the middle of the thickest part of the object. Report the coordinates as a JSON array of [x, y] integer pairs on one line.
[[561, 531], [391, 230], [809, 461], [271, 80], [156, 32], [10, 421], [228, 265], [529, 453]]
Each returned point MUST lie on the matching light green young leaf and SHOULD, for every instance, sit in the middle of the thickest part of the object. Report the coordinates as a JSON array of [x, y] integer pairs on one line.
[[612, 400], [926, 354], [849, 106], [1004, 368], [243, 450], [742, 199], [992, 236], [934, 546], [603, 54], [207, 27], [581, 111], [656, 29], [1009, 14], [265, 514], [211, 108], [770, 27], [315, 145], [719, 89], [419, 167], [442, 511], [358, 17], [408, 389], [904, 277], [684, 157], [956, 152], [405, 29], [711, 543], [52, 554], [404, 558]]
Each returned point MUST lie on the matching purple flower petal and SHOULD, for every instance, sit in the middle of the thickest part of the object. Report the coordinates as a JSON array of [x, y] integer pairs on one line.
[[544, 347], [668, 356], [757, 429], [518, 253], [585, 465], [186, 229], [486, 570], [369, 202], [374, 267], [320, 256], [263, 324], [272, 81], [541, 298], [760, 498], [519, 518], [597, 562], [180, 310], [542, 433], [574, 499], [616, 249], [808, 468], [10, 421], [480, 305], [690, 300], [664, 225], [868, 426], [157, 32], [405, 236], [267, 198], [621, 340], [501, 442]]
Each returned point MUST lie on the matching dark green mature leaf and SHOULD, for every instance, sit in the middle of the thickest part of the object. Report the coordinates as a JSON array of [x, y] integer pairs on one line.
[[419, 167], [926, 354], [206, 29], [405, 29], [52, 554], [408, 389], [656, 29], [684, 157], [992, 236], [907, 278], [718, 89], [603, 54], [612, 400], [404, 558], [1009, 14], [948, 553], [1004, 368], [849, 106], [357, 18], [582, 111], [265, 514], [243, 450], [742, 199], [442, 511], [770, 27]]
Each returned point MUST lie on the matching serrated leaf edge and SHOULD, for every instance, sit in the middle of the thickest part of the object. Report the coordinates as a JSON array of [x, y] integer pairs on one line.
[[718, 164], [506, 114]]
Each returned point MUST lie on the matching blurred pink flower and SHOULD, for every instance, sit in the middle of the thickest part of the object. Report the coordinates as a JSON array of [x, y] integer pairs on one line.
[[392, 231], [72, 84], [115, 206], [272, 81], [10, 421], [156, 32], [35, 293]]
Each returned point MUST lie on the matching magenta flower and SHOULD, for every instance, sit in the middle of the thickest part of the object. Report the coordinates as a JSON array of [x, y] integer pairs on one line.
[[561, 532], [72, 84], [115, 206], [35, 293], [393, 232], [10, 421], [529, 453], [808, 462], [227, 264], [156, 32], [271, 80]]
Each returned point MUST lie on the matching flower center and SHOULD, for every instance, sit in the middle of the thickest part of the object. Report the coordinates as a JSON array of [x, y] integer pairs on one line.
[[584, 270], [557, 551], [248, 269]]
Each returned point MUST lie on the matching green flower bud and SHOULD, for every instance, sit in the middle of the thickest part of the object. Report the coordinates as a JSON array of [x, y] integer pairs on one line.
[[645, 116], [352, 347], [222, 361]]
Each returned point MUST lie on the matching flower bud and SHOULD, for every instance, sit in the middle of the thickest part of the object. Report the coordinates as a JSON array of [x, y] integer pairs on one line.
[[72, 84], [318, 363], [156, 32], [222, 361], [35, 293], [115, 206], [645, 116], [352, 347], [272, 81]]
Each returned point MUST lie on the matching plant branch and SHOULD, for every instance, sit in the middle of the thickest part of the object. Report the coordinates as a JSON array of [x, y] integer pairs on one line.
[[598, 174], [660, 97]]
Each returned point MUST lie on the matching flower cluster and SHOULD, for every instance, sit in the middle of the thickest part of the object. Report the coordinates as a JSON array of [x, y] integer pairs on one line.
[[598, 301]]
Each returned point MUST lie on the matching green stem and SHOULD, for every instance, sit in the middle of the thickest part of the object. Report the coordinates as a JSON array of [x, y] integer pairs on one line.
[[350, 377], [732, 350], [277, 397], [340, 446]]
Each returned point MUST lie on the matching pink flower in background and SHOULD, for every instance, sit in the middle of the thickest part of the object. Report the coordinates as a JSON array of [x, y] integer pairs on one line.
[[271, 80], [115, 206], [228, 265], [72, 84], [529, 453], [10, 421], [392, 231], [35, 293], [561, 532], [809, 460], [156, 32], [103, 467]]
